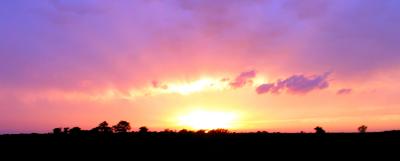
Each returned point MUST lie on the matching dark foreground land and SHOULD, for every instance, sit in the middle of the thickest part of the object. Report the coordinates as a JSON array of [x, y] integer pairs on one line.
[[225, 143]]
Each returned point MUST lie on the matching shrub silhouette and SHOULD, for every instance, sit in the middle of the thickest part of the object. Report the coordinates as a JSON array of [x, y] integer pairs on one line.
[[57, 131], [183, 131], [75, 130], [219, 131], [168, 131], [122, 127], [319, 130], [362, 129], [143, 129], [102, 128], [66, 130], [200, 132]]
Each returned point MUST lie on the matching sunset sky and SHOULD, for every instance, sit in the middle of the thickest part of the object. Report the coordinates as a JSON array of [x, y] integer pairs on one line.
[[273, 65]]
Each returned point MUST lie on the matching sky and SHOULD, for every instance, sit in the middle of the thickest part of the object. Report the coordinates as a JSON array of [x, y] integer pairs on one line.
[[268, 65]]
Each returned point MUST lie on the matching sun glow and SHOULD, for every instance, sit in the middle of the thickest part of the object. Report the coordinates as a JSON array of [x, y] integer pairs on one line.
[[196, 86], [207, 120]]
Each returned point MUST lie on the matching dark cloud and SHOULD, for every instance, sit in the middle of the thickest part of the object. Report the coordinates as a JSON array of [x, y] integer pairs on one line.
[[243, 79], [296, 84], [344, 91]]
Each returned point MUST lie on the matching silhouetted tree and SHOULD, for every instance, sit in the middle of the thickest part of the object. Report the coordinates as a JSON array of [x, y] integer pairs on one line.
[[143, 129], [319, 130], [57, 131], [168, 131], [122, 127], [183, 131], [218, 131], [66, 130], [201, 132], [262, 132], [362, 129], [102, 128], [75, 130]]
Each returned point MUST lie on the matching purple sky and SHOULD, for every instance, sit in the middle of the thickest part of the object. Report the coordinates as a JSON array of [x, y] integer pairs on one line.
[[86, 46]]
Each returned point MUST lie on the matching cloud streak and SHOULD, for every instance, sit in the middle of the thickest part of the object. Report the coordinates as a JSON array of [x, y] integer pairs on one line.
[[344, 91]]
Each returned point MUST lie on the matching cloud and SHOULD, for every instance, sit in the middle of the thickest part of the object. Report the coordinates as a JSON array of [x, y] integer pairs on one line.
[[264, 88], [243, 79], [301, 84], [111, 42], [296, 84], [344, 91], [353, 46]]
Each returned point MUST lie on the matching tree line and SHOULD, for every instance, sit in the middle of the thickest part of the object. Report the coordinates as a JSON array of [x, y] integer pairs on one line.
[[125, 127]]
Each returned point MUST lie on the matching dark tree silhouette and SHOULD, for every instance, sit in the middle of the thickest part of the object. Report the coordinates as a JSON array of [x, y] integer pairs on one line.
[[143, 129], [122, 127], [362, 129], [102, 128], [319, 130], [262, 132], [183, 131], [201, 132], [219, 131], [57, 131], [66, 130], [75, 130], [168, 131]]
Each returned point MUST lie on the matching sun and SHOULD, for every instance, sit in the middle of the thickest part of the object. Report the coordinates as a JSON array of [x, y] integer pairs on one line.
[[207, 120]]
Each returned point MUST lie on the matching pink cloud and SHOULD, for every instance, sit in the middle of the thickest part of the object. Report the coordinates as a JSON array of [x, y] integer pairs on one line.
[[264, 88], [243, 79], [296, 84]]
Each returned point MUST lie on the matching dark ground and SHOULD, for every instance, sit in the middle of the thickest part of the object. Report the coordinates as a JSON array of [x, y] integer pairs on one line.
[[175, 144]]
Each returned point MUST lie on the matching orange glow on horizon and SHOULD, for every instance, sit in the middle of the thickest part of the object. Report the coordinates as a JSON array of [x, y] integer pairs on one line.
[[196, 86], [207, 120]]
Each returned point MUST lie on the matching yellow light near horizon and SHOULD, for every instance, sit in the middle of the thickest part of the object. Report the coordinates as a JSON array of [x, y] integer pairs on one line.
[[208, 120], [196, 86]]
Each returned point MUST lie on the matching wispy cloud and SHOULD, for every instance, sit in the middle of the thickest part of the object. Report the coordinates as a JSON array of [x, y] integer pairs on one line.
[[344, 91]]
